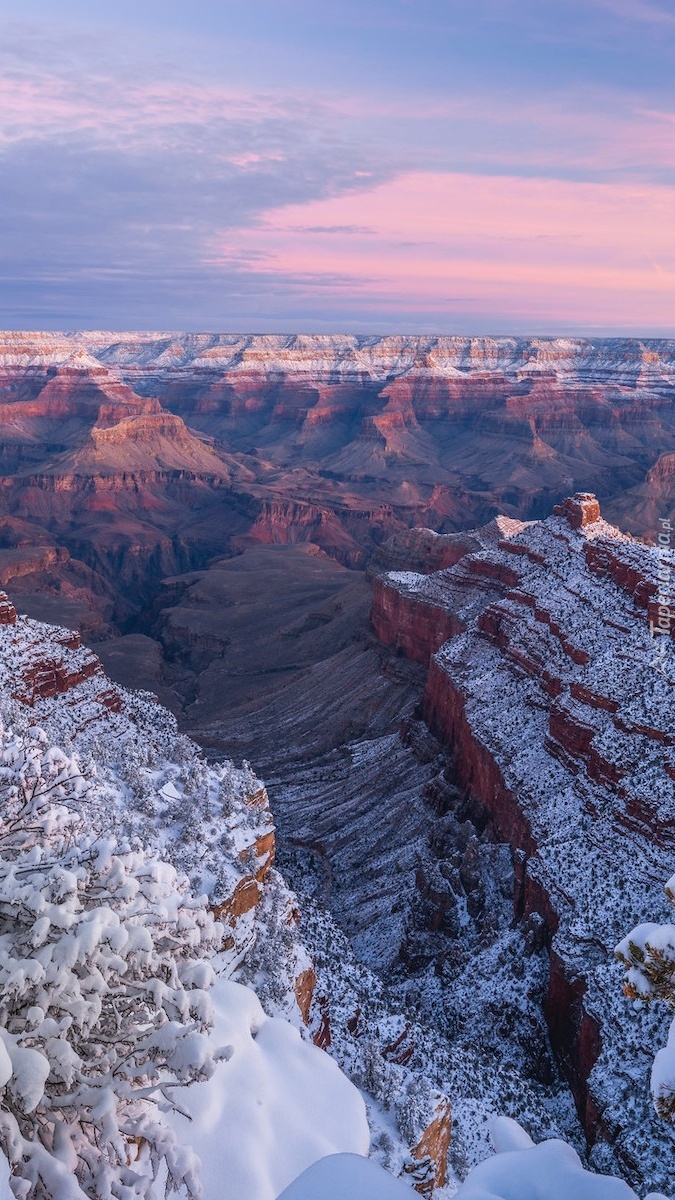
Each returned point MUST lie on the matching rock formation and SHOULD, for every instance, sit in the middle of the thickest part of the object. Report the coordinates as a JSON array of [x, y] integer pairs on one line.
[[553, 689], [106, 440]]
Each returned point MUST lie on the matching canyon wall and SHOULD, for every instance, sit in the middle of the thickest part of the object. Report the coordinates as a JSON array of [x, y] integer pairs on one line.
[[554, 693], [214, 821], [106, 440]]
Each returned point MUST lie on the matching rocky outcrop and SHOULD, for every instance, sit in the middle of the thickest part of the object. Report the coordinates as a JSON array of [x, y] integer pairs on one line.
[[304, 992], [54, 664], [410, 609], [421, 550], [579, 510], [416, 625], [340, 532], [556, 700], [19, 562], [7, 610], [427, 1166], [256, 859]]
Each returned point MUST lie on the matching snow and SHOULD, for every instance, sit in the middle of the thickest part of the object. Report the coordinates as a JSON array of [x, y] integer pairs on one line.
[[273, 1106], [551, 1170], [346, 1177], [5, 1190], [412, 580], [507, 1135], [336, 357], [29, 1072], [663, 1074], [519, 1170]]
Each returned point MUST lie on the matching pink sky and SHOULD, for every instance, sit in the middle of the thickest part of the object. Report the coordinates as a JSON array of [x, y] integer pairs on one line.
[[414, 165], [597, 253]]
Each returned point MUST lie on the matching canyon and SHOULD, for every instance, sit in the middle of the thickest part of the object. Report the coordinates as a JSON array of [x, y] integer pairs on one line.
[[77, 748], [130, 457], [464, 787], [133, 459], [138, 456]]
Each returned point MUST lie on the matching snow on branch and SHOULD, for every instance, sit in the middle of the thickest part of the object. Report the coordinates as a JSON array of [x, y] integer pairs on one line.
[[648, 953], [104, 991]]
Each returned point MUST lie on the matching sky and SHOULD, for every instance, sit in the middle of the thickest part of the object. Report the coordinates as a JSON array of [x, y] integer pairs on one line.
[[442, 166]]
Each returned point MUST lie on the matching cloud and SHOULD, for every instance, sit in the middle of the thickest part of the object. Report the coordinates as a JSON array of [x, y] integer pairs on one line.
[[364, 230], [640, 11], [135, 193], [112, 182], [563, 252]]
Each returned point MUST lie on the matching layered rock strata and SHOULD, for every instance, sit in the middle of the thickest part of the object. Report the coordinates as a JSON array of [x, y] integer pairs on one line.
[[556, 697], [411, 613], [127, 458]]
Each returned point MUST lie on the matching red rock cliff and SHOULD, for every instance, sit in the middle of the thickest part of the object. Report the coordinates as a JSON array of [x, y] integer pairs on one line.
[[557, 703]]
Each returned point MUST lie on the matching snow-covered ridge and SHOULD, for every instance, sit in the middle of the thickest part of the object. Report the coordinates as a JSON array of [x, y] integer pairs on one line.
[[554, 688], [131, 874], [642, 362], [211, 821]]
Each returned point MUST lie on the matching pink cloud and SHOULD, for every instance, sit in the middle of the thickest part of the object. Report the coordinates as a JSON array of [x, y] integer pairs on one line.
[[591, 131], [37, 105], [587, 253]]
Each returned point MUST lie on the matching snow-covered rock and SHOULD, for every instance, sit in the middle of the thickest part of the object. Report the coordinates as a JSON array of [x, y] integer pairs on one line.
[[345, 1177], [551, 1170], [131, 872], [555, 696]]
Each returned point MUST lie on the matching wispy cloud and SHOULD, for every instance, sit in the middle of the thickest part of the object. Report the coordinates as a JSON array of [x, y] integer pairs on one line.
[[638, 10]]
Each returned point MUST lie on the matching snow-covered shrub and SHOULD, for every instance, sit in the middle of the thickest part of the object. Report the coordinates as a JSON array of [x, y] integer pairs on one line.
[[104, 1002], [279, 957], [648, 952], [155, 785]]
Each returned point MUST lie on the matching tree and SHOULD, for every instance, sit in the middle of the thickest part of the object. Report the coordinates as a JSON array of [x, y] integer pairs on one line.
[[648, 953], [104, 979]]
